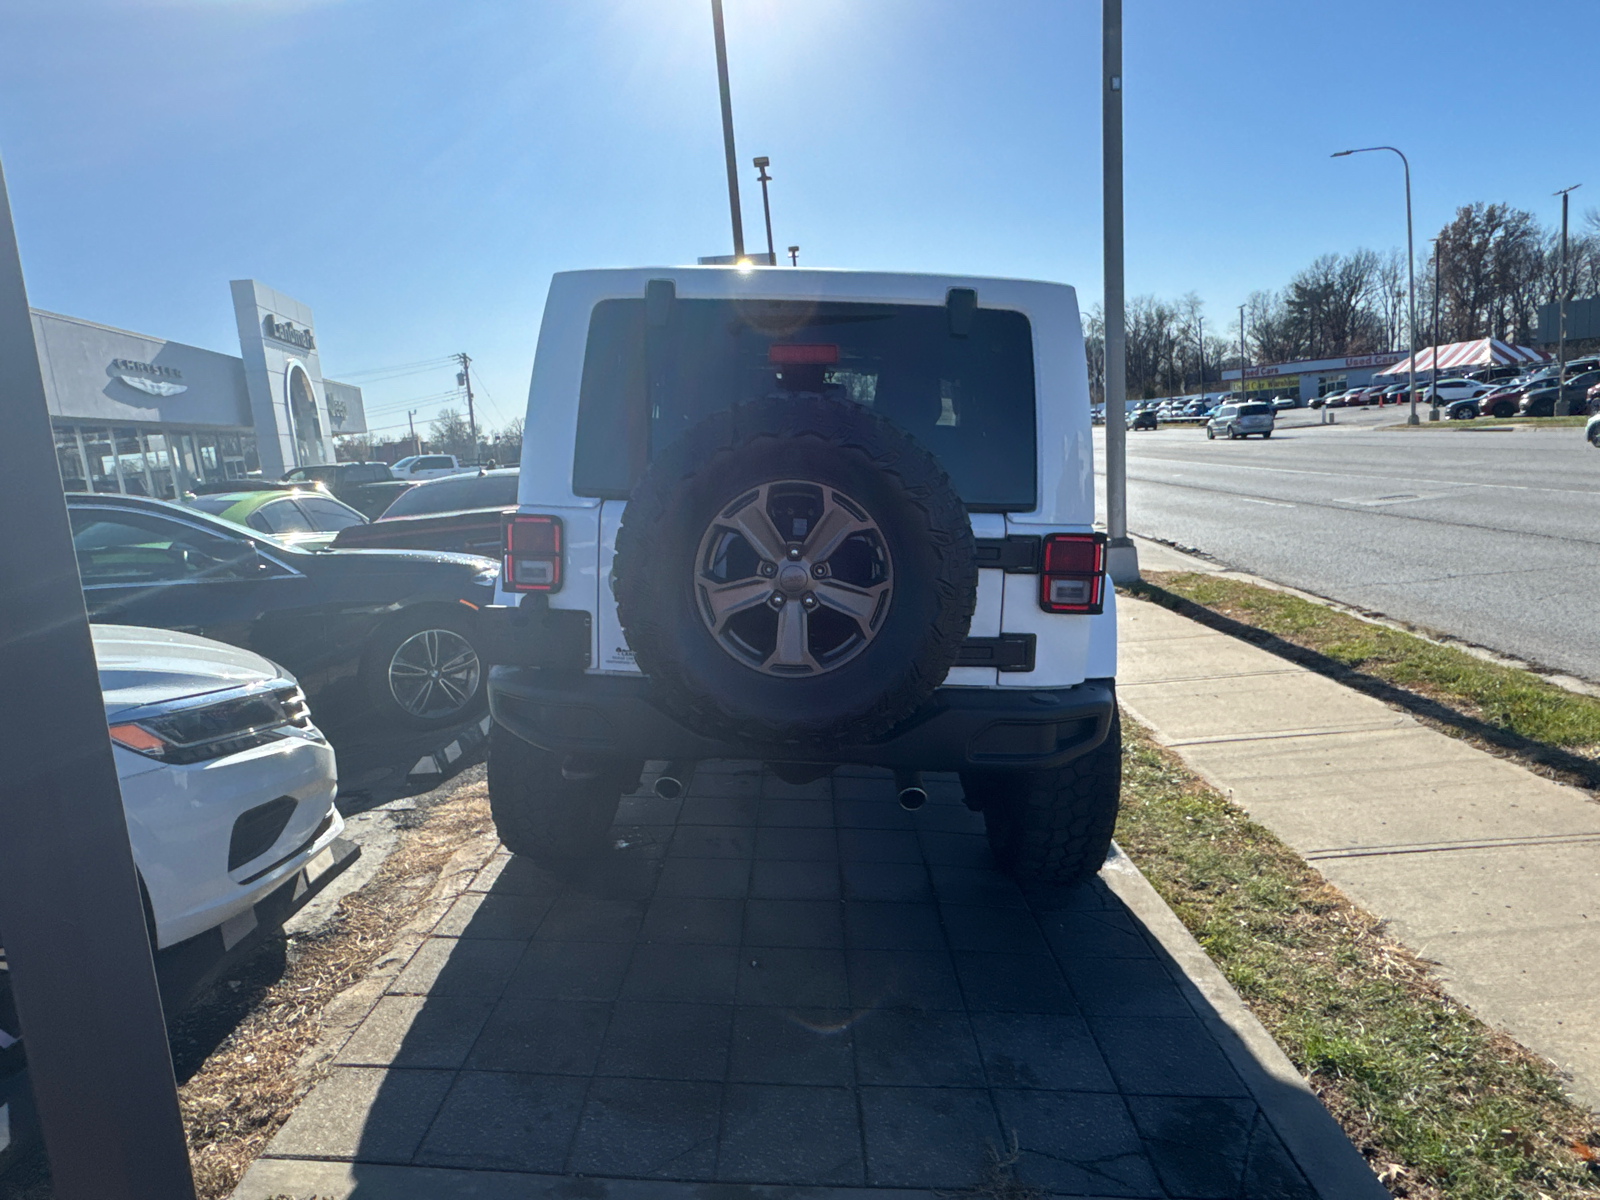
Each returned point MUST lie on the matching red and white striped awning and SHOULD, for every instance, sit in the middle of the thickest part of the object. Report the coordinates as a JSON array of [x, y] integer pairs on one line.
[[1482, 353]]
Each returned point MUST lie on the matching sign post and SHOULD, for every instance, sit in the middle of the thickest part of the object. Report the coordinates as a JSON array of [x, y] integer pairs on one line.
[[76, 946]]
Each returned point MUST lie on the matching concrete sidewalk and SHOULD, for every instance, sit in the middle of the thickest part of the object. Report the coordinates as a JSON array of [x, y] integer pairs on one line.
[[1481, 866], [805, 993]]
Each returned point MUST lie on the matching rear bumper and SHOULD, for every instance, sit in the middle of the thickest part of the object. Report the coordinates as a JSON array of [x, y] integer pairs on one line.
[[567, 712]]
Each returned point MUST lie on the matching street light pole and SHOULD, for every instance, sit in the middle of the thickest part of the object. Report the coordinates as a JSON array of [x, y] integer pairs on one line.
[[761, 165], [1200, 337], [1562, 406], [1122, 560], [794, 256], [727, 128], [1411, 277], [1433, 415], [1241, 352]]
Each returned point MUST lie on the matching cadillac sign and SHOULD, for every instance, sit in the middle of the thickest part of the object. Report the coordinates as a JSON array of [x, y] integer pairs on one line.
[[284, 331]]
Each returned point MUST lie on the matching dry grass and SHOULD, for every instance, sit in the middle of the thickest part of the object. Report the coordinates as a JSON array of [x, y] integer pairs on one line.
[[1443, 1107], [245, 1089]]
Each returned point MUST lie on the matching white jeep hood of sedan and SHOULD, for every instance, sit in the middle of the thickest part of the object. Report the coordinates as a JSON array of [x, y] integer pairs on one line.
[[140, 666]]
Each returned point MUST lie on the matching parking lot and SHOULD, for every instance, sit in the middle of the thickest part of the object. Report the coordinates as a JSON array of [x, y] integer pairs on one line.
[[782, 984]]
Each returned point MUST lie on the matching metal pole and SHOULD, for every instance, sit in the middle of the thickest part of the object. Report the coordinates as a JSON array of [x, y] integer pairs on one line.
[[794, 256], [1434, 364], [761, 165], [75, 939], [1241, 352], [1122, 560], [1200, 337], [1411, 277], [466, 381], [1562, 406], [727, 128]]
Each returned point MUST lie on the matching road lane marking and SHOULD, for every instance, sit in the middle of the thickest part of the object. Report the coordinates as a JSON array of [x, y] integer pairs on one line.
[[1273, 503], [1456, 483]]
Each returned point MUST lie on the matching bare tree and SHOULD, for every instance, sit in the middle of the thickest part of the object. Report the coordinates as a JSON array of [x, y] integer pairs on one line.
[[449, 433], [1094, 348]]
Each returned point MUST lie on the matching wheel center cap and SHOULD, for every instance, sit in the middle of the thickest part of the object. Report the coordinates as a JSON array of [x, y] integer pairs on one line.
[[793, 578]]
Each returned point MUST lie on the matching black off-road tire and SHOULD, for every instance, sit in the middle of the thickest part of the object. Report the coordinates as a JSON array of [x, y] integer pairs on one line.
[[1053, 827], [539, 812], [833, 444]]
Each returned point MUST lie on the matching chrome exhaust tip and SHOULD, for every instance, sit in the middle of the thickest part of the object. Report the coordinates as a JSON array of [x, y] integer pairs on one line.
[[908, 784], [673, 780]]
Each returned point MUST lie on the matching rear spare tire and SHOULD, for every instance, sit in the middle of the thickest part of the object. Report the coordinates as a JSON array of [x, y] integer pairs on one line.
[[795, 572]]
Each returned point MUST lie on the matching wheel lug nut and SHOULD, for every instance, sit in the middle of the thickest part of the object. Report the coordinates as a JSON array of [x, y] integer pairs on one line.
[[794, 552], [768, 570], [808, 602], [776, 599], [818, 571]]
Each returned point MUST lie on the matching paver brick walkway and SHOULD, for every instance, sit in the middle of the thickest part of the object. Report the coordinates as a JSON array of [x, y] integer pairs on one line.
[[783, 985]]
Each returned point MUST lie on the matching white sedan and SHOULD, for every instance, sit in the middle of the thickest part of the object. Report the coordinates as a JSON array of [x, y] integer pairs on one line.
[[227, 786]]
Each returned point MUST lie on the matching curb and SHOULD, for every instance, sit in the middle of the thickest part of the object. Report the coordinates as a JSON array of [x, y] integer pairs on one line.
[[1308, 1131]]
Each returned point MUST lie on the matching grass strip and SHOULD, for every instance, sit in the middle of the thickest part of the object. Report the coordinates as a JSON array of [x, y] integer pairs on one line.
[[1443, 1107], [1503, 708]]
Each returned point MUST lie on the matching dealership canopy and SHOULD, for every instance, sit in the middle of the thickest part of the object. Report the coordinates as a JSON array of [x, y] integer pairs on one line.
[[1484, 352]]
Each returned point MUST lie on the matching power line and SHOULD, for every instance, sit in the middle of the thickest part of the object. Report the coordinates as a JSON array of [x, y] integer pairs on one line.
[[401, 368]]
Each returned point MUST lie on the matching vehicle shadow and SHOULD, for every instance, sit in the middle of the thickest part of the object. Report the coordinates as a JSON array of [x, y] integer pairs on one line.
[[765, 983]]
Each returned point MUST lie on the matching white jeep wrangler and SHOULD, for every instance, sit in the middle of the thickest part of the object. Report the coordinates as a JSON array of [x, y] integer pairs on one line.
[[811, 518]]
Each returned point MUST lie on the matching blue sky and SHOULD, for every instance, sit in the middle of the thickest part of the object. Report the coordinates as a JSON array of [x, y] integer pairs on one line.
[[416, 171]]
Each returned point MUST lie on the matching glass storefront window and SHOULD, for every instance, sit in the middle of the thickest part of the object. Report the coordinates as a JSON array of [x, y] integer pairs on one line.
[[70, 461], [129, 462], [102, 465], [159, 459], [210, 460], [247, 442]]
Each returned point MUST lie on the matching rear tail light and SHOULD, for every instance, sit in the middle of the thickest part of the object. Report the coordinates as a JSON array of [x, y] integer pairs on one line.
[[1074, 575], [533, 553]]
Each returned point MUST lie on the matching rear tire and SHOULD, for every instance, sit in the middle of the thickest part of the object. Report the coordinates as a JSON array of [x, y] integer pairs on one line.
[[539, 812], [1055, 826], [1267, 434]]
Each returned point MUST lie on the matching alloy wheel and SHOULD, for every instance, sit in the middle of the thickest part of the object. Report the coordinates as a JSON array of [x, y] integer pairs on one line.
[[434, 673], [793, 578]]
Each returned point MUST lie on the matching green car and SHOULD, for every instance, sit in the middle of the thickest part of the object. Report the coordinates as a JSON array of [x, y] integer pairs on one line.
[[307, 519]]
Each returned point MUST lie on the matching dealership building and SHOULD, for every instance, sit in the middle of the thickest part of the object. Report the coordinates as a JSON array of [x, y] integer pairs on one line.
[[1310, 378], [150, 417]]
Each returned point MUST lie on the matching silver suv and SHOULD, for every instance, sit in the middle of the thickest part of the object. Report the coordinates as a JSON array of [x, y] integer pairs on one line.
[[813, 518], [1242, 420]]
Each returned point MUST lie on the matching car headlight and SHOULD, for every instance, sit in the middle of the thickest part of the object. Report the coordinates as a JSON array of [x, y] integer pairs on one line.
[[194, 731]]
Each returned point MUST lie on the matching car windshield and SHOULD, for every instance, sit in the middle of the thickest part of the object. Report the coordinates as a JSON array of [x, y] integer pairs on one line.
[[969, 400], [216, 505], [495, 490]]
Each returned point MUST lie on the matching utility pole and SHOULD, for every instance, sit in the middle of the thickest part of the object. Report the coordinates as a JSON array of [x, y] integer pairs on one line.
[[1241, 352], [1563, 407], [1200, 337], [727, 128], [1122, 560], [761, 165], [411, 418], [464, 378]]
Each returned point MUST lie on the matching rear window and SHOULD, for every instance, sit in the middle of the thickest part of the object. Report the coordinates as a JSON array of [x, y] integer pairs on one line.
[[1255, 410], [457, 492], [969, 400]]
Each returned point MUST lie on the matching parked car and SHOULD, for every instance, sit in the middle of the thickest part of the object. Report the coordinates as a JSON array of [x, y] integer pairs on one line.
[[1592, 400], [775, 572], [1145, 418], [1446, 391], [417, 467], [305, 519], [1502, 401], [1395, 393], [227, 784], [367, 487], [1335, 399], [1283, 403], [1242, 420], [1540, 401], [390, 635], [463, 513], [1463, 410]]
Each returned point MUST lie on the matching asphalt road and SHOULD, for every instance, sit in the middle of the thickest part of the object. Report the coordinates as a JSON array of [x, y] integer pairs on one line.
[[1490, 537]]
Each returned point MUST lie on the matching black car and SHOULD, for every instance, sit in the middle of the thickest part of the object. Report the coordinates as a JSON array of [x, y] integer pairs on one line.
[[385, 635], [1145, 418], [461, 513], [367, 487], [1540, 400], [1462, 410]]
